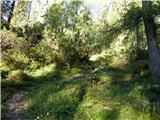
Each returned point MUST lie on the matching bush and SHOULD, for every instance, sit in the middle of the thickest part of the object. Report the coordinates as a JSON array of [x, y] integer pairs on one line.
[[4, 73], [10, 41], [72, 40], [17, 76], [4, 24], [66, 49], [17, 53], [18, 31], [142, 54], [33, 33]]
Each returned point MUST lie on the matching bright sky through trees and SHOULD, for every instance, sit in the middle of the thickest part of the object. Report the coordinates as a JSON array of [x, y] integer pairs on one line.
[[97, 6]]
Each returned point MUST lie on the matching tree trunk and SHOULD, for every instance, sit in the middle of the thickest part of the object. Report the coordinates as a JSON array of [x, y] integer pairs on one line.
[[11, 12], [150, 30]]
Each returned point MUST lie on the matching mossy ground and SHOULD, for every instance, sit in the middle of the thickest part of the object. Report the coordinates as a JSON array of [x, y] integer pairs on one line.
[[93, 91]]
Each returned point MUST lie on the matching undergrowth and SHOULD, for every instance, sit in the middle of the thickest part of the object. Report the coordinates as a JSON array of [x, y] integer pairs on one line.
[[89, 92]]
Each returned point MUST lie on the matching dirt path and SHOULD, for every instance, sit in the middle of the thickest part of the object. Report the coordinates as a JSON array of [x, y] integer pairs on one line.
[[16, 105]]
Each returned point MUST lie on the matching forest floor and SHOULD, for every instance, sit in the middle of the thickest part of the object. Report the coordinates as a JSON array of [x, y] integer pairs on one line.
[[15, 105], [93, 91]]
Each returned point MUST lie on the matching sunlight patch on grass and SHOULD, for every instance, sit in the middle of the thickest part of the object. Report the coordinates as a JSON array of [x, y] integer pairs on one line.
[[101, 93], [94, 105], [137, 91], [66, 92], [128, 76], [59, 100], [71, 73], [91, 109], [43, 71], [129, 113], [116, 61], [105, 78]]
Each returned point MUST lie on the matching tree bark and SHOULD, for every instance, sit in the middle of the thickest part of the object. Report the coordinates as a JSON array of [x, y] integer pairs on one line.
[[11, 12], [150, 30]]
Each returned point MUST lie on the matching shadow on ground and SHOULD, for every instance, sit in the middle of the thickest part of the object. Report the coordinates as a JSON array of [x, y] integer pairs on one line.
[[94, 91]]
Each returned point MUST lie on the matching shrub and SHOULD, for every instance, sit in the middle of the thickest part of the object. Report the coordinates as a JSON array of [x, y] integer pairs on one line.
[[72, 38], [4, 73], [10, 42], [33, 33], [18, 76]]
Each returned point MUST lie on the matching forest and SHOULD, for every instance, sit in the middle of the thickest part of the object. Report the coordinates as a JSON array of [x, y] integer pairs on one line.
[[80, 59]]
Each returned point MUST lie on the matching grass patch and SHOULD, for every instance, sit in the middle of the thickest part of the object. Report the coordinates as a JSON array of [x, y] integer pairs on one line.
[[93, 92], [58, 100]]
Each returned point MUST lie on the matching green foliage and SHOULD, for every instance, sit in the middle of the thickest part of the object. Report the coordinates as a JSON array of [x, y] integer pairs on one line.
[[33, 33], [113, 87], [54, 16], [17, 76], [13, 49], [20, 15], [20, 53], [129, 30], [69, 32], [4, 24], [10, 41], [18, 31], [42, 52], [133, 16]]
